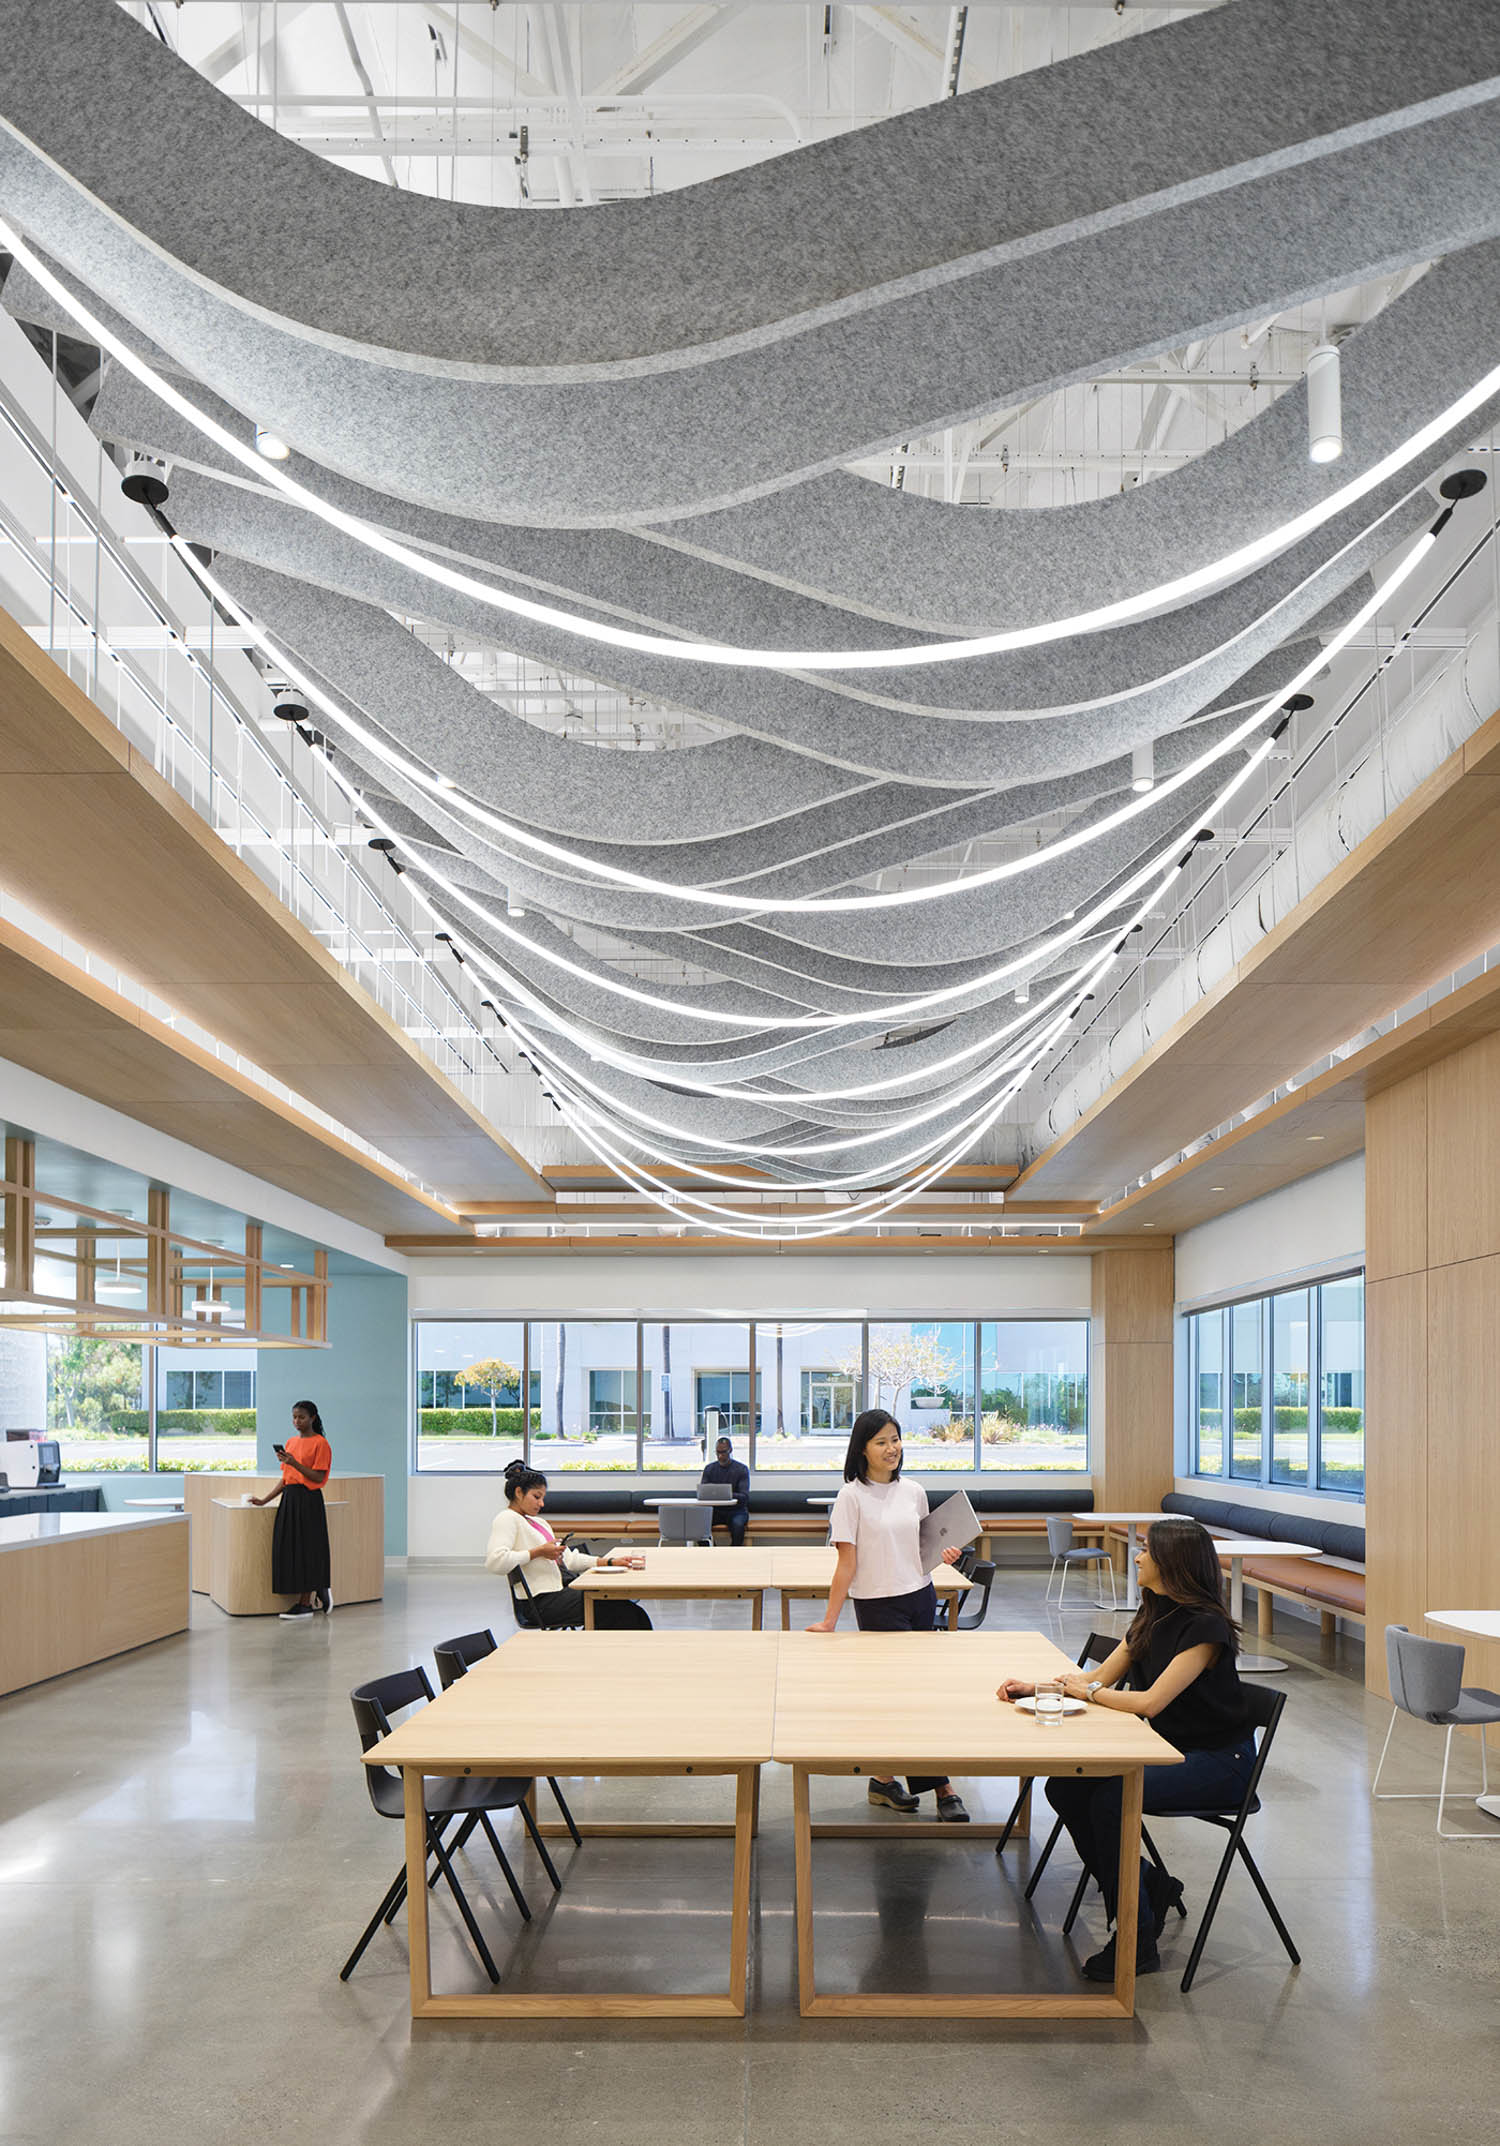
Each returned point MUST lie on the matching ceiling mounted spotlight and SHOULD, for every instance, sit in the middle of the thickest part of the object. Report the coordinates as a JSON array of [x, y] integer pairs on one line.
[[1023, 994], [1463, 484], [1325, 421], [513, 907], [271, 445], [288, 703], [145, 481], [1143, 768]]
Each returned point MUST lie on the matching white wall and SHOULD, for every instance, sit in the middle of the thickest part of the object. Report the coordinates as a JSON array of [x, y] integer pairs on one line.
[[859, 1286], [1315, 1225]]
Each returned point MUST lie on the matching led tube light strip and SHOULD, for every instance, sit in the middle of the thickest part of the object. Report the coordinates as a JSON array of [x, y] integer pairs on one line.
[[879, 1017], [1168, 593], [1078, 985], [455, 800]]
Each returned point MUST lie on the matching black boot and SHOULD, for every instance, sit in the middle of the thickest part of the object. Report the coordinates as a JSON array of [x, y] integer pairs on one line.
[[1164, 1893], [1101, 1967]]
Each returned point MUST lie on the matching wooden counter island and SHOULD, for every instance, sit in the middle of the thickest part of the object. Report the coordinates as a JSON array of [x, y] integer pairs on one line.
[[78, 1587]]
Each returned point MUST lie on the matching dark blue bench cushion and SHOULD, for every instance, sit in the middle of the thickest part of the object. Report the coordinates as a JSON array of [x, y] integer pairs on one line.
[[1335, 1538]]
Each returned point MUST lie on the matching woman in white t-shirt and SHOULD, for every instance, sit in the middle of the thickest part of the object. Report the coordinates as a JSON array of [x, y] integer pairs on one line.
[[875, 1526]]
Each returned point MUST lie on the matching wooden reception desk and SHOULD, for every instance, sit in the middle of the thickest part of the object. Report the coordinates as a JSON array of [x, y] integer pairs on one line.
[[78, 1587], [231, 1559]]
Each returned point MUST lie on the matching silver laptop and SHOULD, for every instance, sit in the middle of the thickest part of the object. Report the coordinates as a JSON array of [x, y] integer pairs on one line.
[[714, 1494], [953, 1524]]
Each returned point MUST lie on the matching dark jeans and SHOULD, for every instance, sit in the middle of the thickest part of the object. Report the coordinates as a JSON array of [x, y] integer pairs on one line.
[[1090, 1809], [732, 1518], [564, 1606], [916, 1612]]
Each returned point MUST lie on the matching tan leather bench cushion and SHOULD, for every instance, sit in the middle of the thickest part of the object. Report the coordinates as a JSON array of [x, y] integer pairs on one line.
[[1311, 1578]]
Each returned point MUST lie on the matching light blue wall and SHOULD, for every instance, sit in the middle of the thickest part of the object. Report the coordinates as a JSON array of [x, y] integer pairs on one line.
[[360, 1384]]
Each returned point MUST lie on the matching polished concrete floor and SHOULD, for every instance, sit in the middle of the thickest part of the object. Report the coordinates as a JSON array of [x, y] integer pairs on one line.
[[187, 1853]]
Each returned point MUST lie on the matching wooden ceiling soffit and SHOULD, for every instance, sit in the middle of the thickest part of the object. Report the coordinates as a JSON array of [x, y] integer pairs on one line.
[[94, 840], [850, 1247], [67, 1026], [1416, 900], [1320, 1124]]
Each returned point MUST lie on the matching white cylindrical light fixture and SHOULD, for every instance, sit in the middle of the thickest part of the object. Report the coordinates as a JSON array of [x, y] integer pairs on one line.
[[1325, 420], [1143, 768], [271, 444]]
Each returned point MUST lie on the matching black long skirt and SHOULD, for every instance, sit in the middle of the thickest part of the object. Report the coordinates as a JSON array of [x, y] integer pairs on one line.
[[299, 1545]]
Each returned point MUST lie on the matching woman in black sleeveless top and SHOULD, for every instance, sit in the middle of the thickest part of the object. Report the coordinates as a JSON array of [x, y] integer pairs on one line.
[[1175, 1669]]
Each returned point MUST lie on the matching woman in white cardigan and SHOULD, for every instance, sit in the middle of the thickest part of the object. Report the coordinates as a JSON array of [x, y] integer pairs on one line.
[[521, 1541]]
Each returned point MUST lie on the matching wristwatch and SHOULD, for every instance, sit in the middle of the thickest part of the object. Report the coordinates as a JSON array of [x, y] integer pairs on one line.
[[1093, 1690]]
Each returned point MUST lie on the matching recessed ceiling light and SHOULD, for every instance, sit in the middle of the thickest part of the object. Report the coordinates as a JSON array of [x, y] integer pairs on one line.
[[271, 444], [1218, 1188], [1317, 1136], [1148, 1225]]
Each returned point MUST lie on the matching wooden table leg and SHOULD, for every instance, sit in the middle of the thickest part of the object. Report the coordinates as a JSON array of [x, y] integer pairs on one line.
[[413, 1791], [1127, 1905], [802, 1847], [746, 1804], [757, 1611], [953, 1613], [786, 1611], [588, 1611]]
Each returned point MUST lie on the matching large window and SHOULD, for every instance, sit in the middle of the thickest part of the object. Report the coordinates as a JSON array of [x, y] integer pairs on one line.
[[1292, 1366], [469, 1393], [97, 1404], [1034, 1395], [205, 1410], [619, 1395], [811, 1375]]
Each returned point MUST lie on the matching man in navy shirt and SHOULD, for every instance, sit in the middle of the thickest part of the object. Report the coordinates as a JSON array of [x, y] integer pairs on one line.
[[725, 1470]]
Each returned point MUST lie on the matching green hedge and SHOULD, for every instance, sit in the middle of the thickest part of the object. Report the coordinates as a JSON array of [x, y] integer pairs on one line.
[[129, 1464], [1247, 1420], [223, 1422], [473, 1422]]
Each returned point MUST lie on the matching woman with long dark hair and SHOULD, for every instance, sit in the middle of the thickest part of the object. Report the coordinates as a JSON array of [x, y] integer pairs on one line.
[[1175, 1669], [299, 1546], [521, 1541], [876, 1526]]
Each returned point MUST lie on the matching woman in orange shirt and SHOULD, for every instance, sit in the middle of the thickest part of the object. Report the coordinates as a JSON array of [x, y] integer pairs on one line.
[[299, 1547]]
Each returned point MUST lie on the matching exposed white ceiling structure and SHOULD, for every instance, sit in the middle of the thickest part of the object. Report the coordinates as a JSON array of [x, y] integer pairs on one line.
[[626, 354]]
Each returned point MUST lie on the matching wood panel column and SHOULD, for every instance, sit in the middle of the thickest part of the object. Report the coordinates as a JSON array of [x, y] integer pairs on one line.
[[1432, 1351], [1130, 1378]]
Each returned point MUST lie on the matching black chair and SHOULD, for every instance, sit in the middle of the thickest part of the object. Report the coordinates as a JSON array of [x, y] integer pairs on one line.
[[968, 1558], [1265, 1713], [454, 1658], [521, 1599], [1098, 1647], [447, 1798], [981, 1579]]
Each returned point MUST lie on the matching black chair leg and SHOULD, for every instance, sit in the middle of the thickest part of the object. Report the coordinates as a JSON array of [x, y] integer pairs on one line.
[[516, 1893], [1015, 1811], [541, 1847], [454, 1845], [1036, 1876], [1271, 1909], [436, 1843], [395, 1894], [1156, 1856], [567, 1814], [1076, 1902], [1221, 1877]]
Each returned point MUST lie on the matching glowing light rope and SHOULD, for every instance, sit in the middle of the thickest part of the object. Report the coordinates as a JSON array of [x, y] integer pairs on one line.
[[447, 800], [1166, 594]]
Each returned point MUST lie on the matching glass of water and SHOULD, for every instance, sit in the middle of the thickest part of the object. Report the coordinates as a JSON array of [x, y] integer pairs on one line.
[[1049, 1705]]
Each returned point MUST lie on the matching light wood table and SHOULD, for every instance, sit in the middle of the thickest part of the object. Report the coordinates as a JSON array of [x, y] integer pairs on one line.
[[892, 1703], [76, 1588], [610, 1703], [684, 1575], [807, 1575]]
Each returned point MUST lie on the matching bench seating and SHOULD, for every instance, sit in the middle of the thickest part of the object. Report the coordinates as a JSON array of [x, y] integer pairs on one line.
[[779, 1515], [1332, 1590]]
